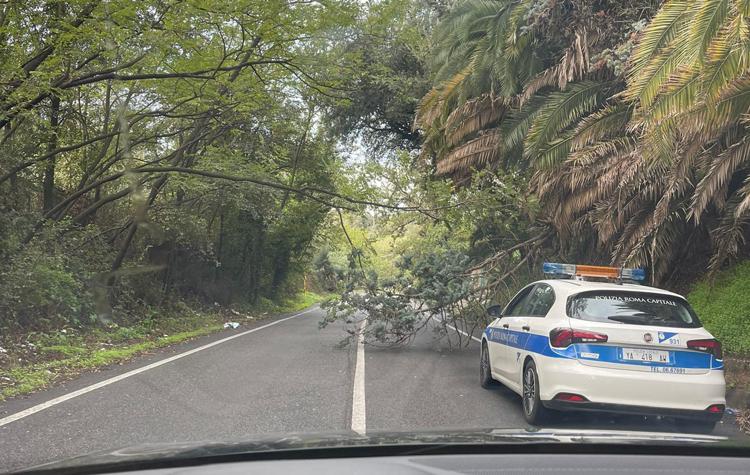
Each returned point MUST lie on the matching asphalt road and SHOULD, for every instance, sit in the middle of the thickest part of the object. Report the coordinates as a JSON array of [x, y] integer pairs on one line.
[[288, 377]]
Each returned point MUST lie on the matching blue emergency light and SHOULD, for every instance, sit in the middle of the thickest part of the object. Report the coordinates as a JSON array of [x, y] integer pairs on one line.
[[578, 270]]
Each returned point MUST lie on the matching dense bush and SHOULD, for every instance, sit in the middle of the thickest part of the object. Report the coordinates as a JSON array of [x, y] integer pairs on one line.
[[722, 307], [50, 281], [39, 288]]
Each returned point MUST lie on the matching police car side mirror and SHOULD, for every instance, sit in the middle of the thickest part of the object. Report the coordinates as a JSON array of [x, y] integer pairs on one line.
[[495, 311]]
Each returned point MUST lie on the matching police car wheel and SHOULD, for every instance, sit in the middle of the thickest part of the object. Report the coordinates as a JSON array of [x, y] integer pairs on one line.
[[533, 411], [695, 426], [485, 372]]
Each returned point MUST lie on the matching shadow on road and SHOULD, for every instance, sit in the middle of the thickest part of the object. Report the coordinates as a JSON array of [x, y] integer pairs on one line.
[[604, 421]]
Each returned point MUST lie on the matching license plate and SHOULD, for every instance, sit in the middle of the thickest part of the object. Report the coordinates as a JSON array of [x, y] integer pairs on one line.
[[647, 356]]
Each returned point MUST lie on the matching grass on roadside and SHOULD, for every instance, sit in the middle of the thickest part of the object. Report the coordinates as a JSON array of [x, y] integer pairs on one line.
[[296, 303], [723, 305], [46, 358], [27, 379]]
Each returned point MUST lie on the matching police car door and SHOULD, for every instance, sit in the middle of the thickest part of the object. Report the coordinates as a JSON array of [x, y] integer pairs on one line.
[[505, 341], [528, 325]]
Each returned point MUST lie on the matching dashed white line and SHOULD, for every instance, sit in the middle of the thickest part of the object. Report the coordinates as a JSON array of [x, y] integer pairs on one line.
[[107, 382], [359, 422]]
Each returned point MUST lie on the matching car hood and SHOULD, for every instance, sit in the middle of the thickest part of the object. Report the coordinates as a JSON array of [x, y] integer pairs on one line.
[[298, 445]]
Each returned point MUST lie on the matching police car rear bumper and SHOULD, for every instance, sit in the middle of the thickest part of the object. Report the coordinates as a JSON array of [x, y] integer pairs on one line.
[[636, 410], [607, 387]]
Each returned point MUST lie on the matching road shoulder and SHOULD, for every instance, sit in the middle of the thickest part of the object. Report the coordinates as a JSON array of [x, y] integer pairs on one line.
[[97, 375]]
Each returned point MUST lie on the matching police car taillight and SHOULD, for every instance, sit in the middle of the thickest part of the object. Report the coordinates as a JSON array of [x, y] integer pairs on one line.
[[564, 337], [708, 345]]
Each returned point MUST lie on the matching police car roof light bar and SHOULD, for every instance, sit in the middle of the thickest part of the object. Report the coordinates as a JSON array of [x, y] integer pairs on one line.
[[578, 270]]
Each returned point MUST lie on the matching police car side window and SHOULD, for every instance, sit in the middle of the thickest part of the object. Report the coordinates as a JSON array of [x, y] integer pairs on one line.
[[542, 298], [520, 305]]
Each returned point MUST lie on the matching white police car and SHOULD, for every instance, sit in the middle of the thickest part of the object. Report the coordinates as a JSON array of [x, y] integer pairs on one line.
[[591, 341]]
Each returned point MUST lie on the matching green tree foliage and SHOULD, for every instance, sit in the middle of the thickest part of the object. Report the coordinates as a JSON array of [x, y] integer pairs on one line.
[[160, 150], [388, 57], [152, 151], [437, 270]]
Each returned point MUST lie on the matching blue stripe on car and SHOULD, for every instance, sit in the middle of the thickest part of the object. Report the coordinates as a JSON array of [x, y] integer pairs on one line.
[[539, 344]]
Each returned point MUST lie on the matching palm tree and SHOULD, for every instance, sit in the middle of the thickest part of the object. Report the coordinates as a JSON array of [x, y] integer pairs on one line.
[[505, 92], [651, 159], [684, 156], [481, 59]]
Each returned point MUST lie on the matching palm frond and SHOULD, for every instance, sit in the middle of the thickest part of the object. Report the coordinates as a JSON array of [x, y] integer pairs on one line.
[[644, 86], [663, 250], [574, 65], [546, 78], [432, 104], [710, 117], [633, 238], [610, 218], [606, 122], [516, 125], [722, 169], [596, 151], [677, 96], [667, 24], [428, 109], [677, 182], [729, 235], [474, 116], [561, 110], [733, 101], [554, 152], [724, 61], [473, 154], [744, 204], [706, 22]]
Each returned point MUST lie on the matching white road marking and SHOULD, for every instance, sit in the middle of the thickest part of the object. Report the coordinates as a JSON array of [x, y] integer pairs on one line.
[[359, 423], [107, 382], [464, 333]]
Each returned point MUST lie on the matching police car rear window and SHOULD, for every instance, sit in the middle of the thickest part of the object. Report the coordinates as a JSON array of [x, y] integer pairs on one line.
[[632, 308]]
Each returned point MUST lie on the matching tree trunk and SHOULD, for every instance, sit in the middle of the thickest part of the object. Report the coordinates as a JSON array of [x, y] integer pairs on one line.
[[48, 186], [297, 153], [219, 247]]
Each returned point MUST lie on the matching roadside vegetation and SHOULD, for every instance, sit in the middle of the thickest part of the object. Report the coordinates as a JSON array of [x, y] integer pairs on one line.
[[35, 360], [418, 158], [608, 133], [160, 162], [722, 304]]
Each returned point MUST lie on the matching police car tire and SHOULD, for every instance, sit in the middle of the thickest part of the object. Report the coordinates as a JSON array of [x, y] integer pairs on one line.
[[485, 372], [695, 426], [538, 414]]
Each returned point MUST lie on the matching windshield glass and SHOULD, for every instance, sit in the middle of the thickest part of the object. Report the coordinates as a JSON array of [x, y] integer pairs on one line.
[[635, 308], [234, 220]]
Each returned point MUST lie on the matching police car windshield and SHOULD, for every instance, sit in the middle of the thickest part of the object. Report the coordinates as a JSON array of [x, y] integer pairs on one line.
[[633, 308]]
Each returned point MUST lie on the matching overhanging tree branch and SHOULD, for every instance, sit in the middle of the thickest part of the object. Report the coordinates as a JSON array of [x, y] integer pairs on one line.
[[51, 154], [305, 191]]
